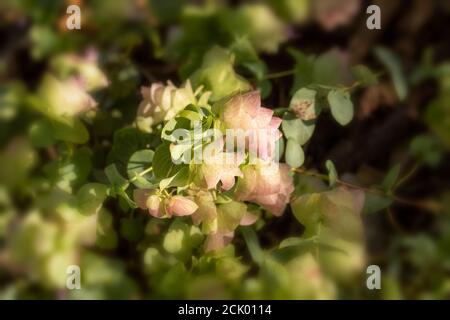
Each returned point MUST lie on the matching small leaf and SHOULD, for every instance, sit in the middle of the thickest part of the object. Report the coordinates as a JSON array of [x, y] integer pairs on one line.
[[375, 203], [162, 161], [364, 75], [341, 106], [393, 64], [179, 179], [294, 154], [90, 198], [303, 104], [140, 160], [297, 130], [391, 177], [41, 134], [332, 173]]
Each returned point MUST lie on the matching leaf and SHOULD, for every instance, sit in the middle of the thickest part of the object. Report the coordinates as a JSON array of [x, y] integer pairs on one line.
[[393, 64], [341, 106], [251, 239], [303, 69], [106, 234], [364, 75], [90, 198], [162, 161], [140, 160], [338, 210], [303, 104], [332, 173], [298, 130], [115, 178], [71, 131], [179, 179], [294, 154], [119, 185], [297, 242], [375, 203], [127, 141], [229, 215], [217, 74], [41, 134], [391, 178], [328, 69]]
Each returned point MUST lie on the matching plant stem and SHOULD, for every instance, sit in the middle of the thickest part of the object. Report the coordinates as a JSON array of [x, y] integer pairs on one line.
[[140, 174], [280, 74]]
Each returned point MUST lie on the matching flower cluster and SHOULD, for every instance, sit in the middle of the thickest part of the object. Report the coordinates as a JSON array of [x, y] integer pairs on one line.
[[216, 190]]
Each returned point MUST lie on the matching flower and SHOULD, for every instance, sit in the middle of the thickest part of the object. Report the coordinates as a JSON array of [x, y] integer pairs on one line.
[[181, 206], [219, 166], [267, 184], [161, 207], [149, 200], [162, 102], [333, 13], [243, 113]]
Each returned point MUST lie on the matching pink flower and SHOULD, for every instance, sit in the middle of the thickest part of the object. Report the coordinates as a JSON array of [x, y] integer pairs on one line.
[[243, 113], [149, 200], [219, 166], [163, 102], [266, 184], [333, 13], [181, 206]]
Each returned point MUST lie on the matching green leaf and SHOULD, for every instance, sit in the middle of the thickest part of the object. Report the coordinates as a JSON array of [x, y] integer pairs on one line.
[[393, 64], [119, 185], [41, 134], [229, 215], [162, 161], [303, 69], [337, 210], [303, 104], [328, 69], [127, 141], [332, 173], [179, 179], [427, 149], [294, 154], [341, 106], [375, 203], [115, 178], [140, 160], [364, 75], [391, 178], [251, 239], [90, 198], [72, 130], [297, 130], [106, 234], [217, 74]]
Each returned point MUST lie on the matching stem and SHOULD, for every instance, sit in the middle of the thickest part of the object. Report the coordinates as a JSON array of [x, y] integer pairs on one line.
[[140, 174], [279, 74], [407, 176]]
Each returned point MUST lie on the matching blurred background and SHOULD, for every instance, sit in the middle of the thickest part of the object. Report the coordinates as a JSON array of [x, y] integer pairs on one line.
[[399, 140]]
